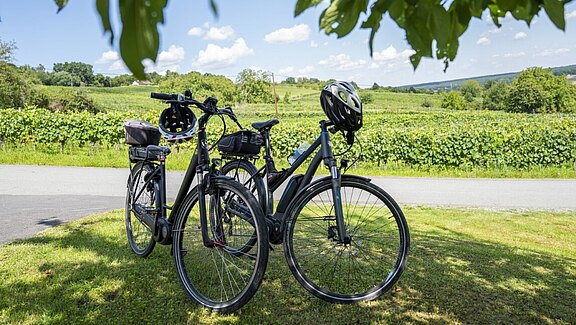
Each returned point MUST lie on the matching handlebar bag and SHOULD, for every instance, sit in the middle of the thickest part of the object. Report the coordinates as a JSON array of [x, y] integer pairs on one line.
[[241, 142], [141, 133]]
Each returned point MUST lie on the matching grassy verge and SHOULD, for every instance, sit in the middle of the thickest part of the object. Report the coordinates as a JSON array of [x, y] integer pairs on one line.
[[465, 266], [102, 156]]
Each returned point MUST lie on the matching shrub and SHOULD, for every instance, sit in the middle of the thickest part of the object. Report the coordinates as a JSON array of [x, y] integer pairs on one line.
[[453, 101], [72, 100]]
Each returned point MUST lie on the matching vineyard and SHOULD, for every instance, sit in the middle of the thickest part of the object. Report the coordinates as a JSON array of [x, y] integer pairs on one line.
[[410, 137]]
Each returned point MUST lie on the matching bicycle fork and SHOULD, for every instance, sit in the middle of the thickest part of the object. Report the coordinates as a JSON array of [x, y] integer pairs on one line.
[[336, 179], [343, 236]]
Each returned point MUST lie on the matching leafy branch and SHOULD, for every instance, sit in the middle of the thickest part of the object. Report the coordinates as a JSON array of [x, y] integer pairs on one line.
[[433, 27]]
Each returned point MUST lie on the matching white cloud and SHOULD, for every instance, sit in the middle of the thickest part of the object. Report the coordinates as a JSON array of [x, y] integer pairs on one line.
[[390, 53], [313, 44], [219, 34], [112, 58], [520, 35], [342, 62], [167, 60], [484, 41], [571, 15], [551, 52], [196, 31], [108, 57], [494, 31], [298, 33], [306, 70], [117, 65], [514, 55], [217, 57], [286, 70]]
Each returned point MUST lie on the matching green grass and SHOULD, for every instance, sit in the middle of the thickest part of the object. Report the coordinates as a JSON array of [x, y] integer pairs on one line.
[[465, 266]]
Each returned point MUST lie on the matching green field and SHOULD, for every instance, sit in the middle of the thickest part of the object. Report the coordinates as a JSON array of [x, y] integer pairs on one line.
[[403, 134], [465, 266]]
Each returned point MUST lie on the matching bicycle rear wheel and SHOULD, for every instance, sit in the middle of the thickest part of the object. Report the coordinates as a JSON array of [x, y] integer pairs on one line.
[[344, 273], [222, 278], [140, 196]]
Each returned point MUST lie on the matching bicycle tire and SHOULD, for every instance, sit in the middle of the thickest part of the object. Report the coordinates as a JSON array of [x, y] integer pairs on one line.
[[140, 236], [362, 270], [247, 174], [220, 278]]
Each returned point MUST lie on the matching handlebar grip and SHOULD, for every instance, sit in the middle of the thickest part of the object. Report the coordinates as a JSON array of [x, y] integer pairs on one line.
[[162, 96]]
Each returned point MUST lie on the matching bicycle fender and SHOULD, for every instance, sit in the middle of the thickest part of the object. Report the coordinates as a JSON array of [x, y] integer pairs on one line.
[[366, 179]]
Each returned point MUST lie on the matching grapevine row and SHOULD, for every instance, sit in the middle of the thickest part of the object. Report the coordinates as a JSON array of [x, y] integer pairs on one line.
[[417, 139]]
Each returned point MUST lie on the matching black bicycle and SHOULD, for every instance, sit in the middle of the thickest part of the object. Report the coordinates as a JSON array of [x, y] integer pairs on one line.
[[217, 228], [345, 239]]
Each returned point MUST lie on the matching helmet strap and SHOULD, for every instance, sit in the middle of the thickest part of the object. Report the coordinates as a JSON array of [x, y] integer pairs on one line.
[[350, 137]]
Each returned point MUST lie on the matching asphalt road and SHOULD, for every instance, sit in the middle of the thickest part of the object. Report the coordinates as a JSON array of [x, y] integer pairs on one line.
[[33, 198]]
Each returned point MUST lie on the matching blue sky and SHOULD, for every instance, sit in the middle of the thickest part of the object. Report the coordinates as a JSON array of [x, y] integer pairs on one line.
[[263, 34]]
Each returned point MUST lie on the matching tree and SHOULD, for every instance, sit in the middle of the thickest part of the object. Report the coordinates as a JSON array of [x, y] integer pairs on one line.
[[255, 86], [428, 24], [454, 101], [101, 80], [122, 80], [538, 90], [470, 90], [201, 86], [495, 96], [7, 51], [84, 71], [64, 78]]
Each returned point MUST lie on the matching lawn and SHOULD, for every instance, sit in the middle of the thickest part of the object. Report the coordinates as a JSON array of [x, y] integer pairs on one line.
[[465, 266]]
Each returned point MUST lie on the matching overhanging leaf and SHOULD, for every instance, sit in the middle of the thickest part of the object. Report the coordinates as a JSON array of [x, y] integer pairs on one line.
[[342, 16], [555, 10], [377, 11], [302, 5], [103, 7], [214, 8], [140, 39], [61, 4]]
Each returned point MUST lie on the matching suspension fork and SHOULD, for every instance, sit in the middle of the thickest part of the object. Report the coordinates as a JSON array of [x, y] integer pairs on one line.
[[336, 180]]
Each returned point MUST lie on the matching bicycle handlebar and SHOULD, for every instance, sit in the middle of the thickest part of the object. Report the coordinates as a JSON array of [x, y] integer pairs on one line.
[[209, 106], [163, 96]]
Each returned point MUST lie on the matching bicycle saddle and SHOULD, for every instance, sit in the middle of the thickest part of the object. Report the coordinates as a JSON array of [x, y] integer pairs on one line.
[[266, 124]]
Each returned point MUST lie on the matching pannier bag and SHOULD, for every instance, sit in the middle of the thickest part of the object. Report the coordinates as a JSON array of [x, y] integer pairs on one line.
[[141, 133], [241, 142]]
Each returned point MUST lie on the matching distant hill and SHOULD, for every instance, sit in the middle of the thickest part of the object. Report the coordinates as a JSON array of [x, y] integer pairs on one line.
[[506, 77]]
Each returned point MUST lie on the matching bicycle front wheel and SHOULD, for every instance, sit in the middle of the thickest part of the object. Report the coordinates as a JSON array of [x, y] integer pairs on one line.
[[221, 277], [140, 197], [340, 272]]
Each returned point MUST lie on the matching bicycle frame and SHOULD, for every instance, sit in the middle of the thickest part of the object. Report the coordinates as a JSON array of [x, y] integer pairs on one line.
[[323, 155], [199, 164]]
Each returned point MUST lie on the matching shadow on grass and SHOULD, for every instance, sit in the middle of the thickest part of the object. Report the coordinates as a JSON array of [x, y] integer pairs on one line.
[[80, 274]]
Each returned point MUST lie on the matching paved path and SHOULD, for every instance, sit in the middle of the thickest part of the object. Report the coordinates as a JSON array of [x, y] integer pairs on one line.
[[33, 198]]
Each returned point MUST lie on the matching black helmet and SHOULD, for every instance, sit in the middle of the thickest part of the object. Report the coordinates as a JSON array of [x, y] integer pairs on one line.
[[177, 124], [342, 105]]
